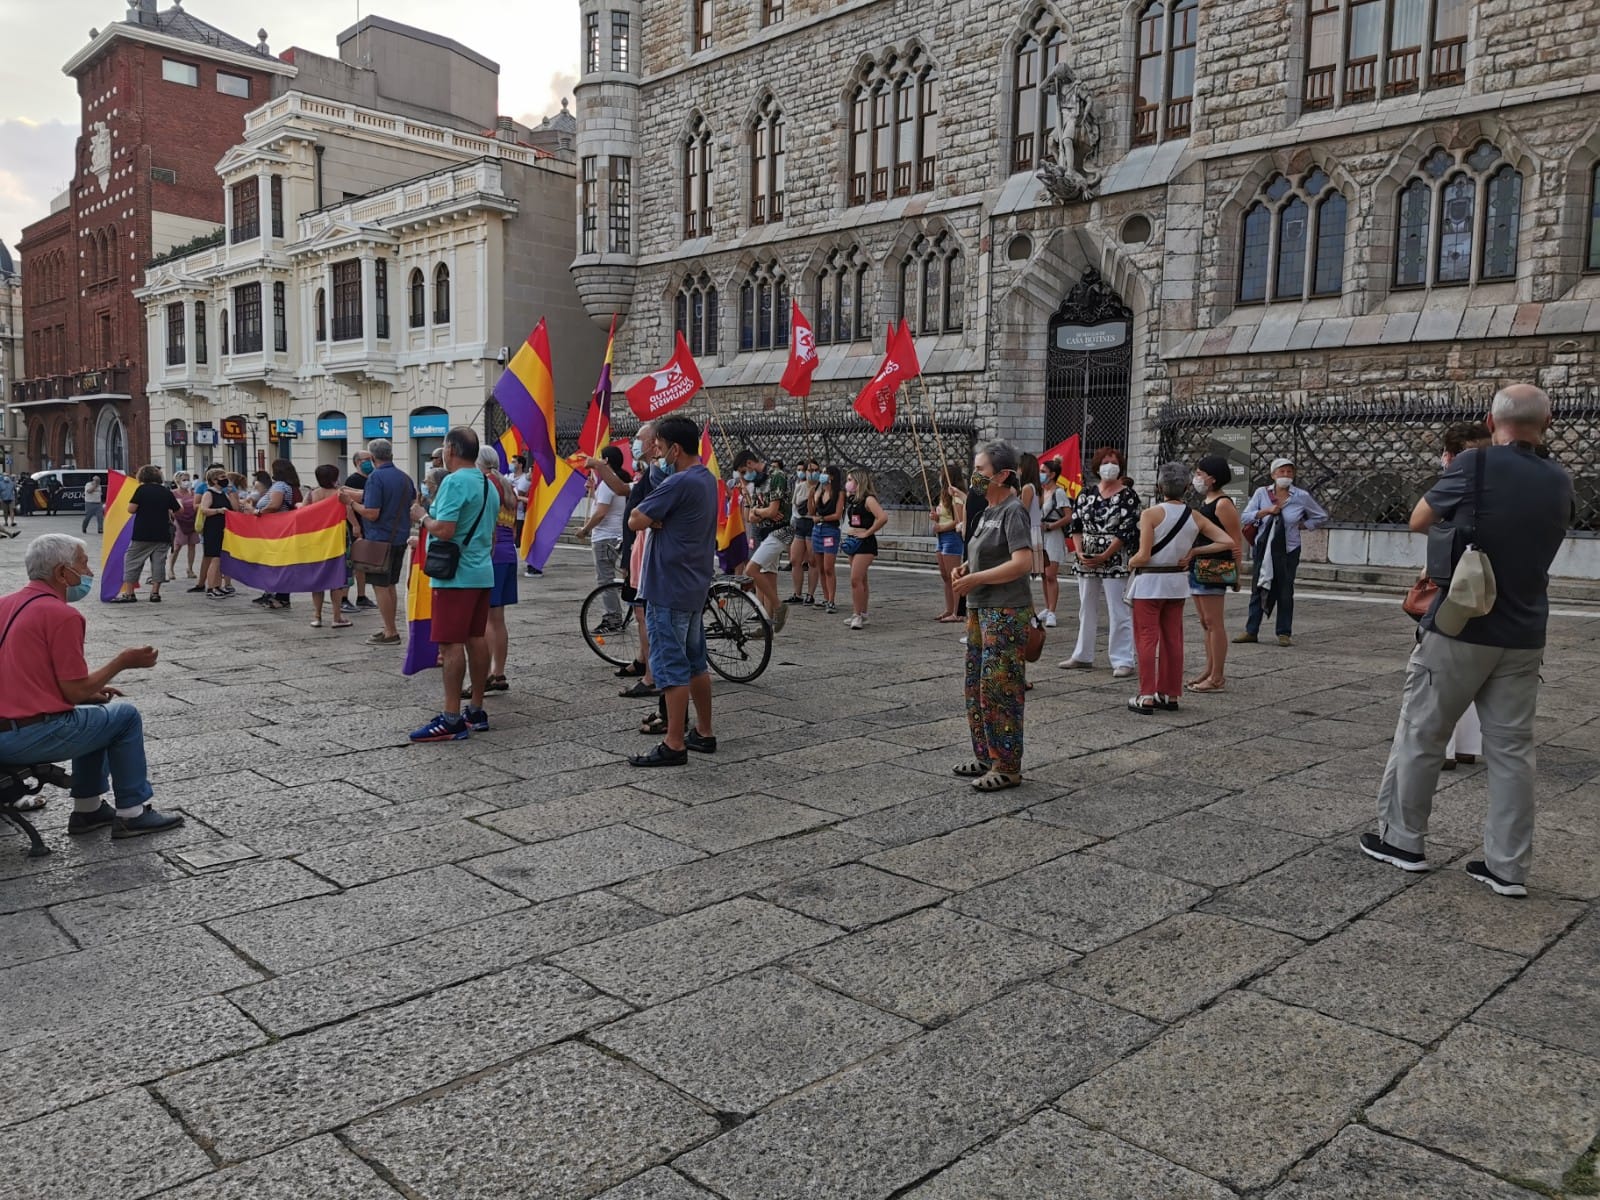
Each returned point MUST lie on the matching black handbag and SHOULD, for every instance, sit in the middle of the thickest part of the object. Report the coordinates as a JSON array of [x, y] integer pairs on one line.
[[443, 559]]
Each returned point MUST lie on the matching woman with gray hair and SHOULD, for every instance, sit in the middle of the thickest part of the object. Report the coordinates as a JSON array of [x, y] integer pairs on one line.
[[1169, 534], [994, 580]]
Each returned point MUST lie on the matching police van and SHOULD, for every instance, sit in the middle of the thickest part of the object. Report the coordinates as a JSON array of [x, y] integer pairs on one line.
[[71, 484]]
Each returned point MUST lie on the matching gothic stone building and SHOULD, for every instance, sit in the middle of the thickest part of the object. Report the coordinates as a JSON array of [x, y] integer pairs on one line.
[[1323, 226]]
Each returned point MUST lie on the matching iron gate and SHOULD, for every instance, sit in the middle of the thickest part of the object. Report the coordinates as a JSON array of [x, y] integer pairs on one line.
[[1089, 367]]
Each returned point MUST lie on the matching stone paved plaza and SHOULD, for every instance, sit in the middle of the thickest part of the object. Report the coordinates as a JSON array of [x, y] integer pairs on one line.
[[813, 967]]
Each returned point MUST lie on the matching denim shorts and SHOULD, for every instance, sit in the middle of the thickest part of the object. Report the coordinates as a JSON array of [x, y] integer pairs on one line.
[[825, 539], [950, 543], [677, 644]]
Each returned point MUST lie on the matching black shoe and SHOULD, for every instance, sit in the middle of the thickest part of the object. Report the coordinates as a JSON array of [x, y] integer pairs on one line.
[[633, 670], [149, 821], [477, 720], [347, 608], [810, 600], [155, 597], [639, 691], [533, 572], [1374, 846], [1504, 887], [365, 602], [1469, 759], [90, 821], [795, 599], [1448, 764], [700, 745], [662, 756], [199, 587]]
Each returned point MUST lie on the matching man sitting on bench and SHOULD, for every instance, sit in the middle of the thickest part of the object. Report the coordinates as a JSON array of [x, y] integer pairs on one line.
[[53, 707]]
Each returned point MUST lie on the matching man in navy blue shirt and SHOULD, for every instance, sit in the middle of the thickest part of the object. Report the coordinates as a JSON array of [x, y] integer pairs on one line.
[[384, 506], [679, 560]]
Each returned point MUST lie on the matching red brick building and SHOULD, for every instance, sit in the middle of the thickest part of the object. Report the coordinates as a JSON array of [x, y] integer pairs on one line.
[[163, 97]]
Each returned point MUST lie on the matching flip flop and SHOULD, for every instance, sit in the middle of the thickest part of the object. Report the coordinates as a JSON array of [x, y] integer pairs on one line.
[[1205, 685]]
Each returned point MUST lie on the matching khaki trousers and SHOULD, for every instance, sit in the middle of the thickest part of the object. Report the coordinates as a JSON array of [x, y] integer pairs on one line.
[[1443, 677]]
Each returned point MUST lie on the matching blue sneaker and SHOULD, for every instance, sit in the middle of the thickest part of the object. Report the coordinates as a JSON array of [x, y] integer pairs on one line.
[[446, 727], [476, 718]]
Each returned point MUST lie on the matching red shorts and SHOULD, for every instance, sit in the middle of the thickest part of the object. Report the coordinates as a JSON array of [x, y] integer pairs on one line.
[[459, 614]]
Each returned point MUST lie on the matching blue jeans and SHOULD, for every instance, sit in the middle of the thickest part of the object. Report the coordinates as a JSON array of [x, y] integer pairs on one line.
[[1284, 614], [102, 740], [677, 644]]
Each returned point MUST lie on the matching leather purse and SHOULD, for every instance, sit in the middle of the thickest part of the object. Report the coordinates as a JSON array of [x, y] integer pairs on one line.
[[372, 555], [1419, 597], [1033, 641], [1214, 571]]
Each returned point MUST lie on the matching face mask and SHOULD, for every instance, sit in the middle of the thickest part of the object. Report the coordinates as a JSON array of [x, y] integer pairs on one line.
[[1283, 482], [637, 447], [667, 468], [1044, 479], [850, 487], [817, 477], [750, 476], [982, 481], [1110, 471], [80, 589], [366, 467], [1200, 484]]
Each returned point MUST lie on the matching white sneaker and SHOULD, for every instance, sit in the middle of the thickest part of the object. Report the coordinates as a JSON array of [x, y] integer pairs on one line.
[[1049, 619], [857, 622], [1121, 672]]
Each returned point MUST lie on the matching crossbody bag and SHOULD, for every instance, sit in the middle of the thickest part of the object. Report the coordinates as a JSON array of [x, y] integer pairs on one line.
[[443, 559], [373, 555], [1166, 540]]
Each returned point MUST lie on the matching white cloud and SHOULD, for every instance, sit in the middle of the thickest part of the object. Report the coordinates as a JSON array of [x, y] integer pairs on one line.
[[35, 165]]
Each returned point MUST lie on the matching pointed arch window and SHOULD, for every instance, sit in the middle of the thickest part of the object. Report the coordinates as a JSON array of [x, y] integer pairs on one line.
[[767, 163], [1592, 262], [418, 289], [1458, 220], [764, 308], [840, 295], [441, 295], [893, 128], [1292, 240], [695, 314], [697, 179], [932, 285], [1358, 51], [1164, 70]]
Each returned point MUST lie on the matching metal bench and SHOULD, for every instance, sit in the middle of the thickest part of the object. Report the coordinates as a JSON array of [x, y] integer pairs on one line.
[[19, 781]]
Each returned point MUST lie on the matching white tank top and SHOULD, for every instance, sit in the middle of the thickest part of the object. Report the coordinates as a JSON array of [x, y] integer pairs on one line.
[[1167, 585]]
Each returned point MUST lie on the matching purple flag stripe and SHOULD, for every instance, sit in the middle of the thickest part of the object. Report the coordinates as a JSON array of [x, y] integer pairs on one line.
[[111, 571], [513, 396], [422, 653], [300, 577], [737, 553], [555, 521]]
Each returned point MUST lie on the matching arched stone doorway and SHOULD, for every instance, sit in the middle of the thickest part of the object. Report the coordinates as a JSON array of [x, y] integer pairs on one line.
[[110, 440], [1089, 367]]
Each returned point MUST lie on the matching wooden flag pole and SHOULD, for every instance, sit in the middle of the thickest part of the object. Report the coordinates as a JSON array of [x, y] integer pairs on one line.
[[916, 442], [937, 436]]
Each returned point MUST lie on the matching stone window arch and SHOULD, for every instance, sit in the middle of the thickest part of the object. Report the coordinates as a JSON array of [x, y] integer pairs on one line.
[[894, 126], [1163, 74], [111, 268], [767, 162], [1292, 240], [441, 295], [697, 164], [1357, 51], [840, 297], [1591, 261], [417, 288], [764, 308], [695, 313], [1458, 219], [932, 291]]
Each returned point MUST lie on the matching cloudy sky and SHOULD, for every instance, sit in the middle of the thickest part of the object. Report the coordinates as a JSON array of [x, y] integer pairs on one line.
[[534, 41]]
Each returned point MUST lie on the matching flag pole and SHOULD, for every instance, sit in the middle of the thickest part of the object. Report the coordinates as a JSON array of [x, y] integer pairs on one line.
[[933, 413], [916, 442]]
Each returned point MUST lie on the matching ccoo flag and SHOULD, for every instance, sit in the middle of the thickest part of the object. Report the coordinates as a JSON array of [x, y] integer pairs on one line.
[[526, 390], [802, 355], [119, 532], [662, 391], [301, 550], [1071, 456], [876, 403]]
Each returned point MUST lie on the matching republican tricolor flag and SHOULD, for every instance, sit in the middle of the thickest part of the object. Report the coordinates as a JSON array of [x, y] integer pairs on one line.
[[733, 544], [119, 532], [300, 550]]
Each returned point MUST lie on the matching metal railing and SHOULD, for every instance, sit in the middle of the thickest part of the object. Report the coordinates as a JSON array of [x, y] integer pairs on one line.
[[1368, 458]]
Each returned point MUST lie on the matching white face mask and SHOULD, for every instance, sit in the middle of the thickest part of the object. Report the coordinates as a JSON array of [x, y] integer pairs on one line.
[[1200, 484], [1110, 471], [1283, 482]]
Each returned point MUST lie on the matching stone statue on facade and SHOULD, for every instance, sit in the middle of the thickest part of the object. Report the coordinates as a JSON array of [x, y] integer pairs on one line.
[[1068, 173]]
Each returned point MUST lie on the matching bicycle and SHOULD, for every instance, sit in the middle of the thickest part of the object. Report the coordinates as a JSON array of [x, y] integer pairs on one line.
[[738, 633]]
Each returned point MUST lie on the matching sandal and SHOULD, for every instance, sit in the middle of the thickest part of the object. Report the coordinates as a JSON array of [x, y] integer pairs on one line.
[[633, 670], [655, 724], [316, 622], [498, 683], [1137, 704], [343, 624], [1166, 703], [997, 781], [640, 691], [971, 770], [124, 598], [1205, 685]]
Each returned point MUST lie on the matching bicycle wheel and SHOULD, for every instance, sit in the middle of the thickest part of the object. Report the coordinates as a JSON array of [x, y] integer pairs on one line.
[[617, 644], [738, 637]]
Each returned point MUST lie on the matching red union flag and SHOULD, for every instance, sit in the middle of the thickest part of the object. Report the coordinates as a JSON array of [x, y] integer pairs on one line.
[[802, 355], [876, 403], [659, 393]]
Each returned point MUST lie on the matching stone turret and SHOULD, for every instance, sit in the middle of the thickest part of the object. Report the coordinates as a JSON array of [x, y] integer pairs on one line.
[[608, 156]]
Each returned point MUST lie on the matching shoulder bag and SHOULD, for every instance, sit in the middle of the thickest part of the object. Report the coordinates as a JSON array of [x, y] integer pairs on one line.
[[443, 559], [1166, 540], [1033, 640], [373, 555]]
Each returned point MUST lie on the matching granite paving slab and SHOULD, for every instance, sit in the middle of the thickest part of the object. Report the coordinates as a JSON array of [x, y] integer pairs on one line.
[[103, 919], [1515, 1107], [1171, 969], [1315, 812], [324, 928], [334, 990], [853, 793], [1115, 806], [32, 935], [379, 857], [1204, 848], [121, 1145], [1362, 1164], [748, 869], [888, 1122], [931, 965], [63, 877], [1451, 906], [137, 975], [1053, 1157], [1314, 894], [977, 854], [1391, 980], [326, 1078], [930, 816], [658, 1184], [1080, 901], [544, 820], [105, 1054], [682, 954], [581, 861], [854, 895], [1243, 1090], [561, 1126], [317, 1169], [735, 821], [1557, 999], [740, 1044]]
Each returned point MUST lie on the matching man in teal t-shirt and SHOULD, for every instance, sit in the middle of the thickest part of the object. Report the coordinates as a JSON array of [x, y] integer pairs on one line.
[[464, 513]]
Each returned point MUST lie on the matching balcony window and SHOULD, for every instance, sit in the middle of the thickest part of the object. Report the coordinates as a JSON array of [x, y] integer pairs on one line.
[[277, 206], [697, 179], [200, 331], [380, 289], [1164, 74], [419, 299], [441, 295], [280, 319], [347, 323], [766, 163], [176, 325], [246, 211], [1358, 51], [247, 319], [893, 143]]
